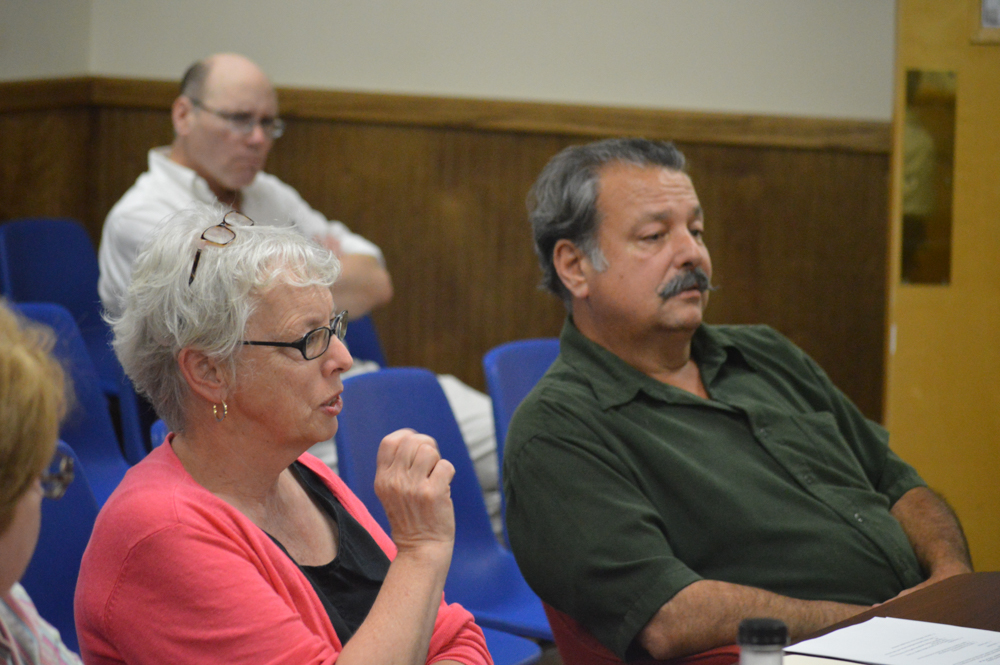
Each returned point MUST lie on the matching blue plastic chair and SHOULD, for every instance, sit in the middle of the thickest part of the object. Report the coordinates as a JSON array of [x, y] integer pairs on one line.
[[512, 370], [363, 342], [483, 577], [158, 432], [508, 649], [53, 260], [88, 426], [51, 576]]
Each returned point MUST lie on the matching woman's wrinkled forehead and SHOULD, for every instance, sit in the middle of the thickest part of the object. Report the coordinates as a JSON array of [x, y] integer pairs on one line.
[[294, 271], [288, 307]]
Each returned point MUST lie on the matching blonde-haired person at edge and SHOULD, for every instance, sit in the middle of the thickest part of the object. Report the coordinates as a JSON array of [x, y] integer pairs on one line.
[[32, 403]]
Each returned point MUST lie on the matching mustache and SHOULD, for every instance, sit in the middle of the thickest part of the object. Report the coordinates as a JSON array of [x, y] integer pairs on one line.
[[689, 279]]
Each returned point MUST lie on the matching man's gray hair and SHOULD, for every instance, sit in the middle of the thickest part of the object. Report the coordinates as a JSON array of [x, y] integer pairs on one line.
[[164, 314], [563, 201]]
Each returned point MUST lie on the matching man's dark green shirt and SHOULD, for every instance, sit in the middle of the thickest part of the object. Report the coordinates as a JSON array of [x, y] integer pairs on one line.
[[622, 490]]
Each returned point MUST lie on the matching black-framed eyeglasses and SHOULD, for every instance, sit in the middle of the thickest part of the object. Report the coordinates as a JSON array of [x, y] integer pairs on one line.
[[220, 235], [56, 479], [243, 122], [315, 342]]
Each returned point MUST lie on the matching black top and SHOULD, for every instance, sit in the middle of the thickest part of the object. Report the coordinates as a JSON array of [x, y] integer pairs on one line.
[[348, 585]]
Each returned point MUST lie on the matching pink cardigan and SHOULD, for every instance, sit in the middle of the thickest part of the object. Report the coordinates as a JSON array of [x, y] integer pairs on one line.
[[173, 574]]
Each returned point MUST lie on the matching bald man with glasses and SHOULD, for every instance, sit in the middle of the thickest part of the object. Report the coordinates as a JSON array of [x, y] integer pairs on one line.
[[225, 122]]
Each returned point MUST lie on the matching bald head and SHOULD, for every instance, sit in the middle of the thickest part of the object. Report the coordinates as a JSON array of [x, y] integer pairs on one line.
[[225, 71], [223, 121]]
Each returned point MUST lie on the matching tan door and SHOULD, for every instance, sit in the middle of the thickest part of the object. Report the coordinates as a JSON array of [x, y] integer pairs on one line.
[[943, 361]]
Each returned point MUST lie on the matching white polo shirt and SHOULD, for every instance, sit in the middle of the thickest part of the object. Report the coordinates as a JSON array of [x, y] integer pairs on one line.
[[168, 187]]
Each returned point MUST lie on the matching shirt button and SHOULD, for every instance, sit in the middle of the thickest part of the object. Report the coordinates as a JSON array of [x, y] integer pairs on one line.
[[859, 518]]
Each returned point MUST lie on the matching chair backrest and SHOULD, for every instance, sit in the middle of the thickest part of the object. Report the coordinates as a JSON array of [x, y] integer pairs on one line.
[[483, 576], [363, 342], [134, 421], [378, 403], [579, 647], [53, 260], [51, 576], [88, 427], [158, 432], [507, 649], [512, 370]]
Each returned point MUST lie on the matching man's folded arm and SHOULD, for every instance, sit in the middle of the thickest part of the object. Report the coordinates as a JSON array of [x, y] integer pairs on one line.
[[934, 533], [707, 613], [363, 285]]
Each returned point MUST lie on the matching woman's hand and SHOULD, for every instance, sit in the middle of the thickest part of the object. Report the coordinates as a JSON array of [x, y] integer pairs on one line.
[[414, 485]]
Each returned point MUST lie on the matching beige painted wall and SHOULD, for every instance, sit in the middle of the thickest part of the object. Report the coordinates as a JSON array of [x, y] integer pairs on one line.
[[821, 58], [44, 38]]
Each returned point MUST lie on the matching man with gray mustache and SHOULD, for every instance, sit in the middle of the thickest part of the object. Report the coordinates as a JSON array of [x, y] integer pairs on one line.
[[667, 478]]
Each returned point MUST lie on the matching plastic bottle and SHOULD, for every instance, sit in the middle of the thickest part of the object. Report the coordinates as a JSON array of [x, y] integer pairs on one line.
[[761, 641]]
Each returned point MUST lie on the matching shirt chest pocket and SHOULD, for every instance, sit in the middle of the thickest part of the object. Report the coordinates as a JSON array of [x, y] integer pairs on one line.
[[812, 448]]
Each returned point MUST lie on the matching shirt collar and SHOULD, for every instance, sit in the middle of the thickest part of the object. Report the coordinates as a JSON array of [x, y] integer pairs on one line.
[[181, 176], [615, 382], [712, 347]]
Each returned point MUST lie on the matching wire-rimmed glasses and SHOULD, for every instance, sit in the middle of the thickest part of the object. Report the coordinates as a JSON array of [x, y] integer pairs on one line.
[[56, 479], [220, 235], [243, 122], [315, 342]]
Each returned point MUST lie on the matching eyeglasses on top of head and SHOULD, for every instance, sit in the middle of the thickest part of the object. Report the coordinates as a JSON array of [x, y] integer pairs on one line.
[[243, 122], [56, 479], [315, 342], [220, 235]]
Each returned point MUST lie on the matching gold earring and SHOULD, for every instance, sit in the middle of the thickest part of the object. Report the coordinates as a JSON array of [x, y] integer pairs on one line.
[[215, 412]]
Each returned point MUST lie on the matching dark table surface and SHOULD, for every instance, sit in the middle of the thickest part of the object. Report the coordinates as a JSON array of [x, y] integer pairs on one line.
[[971, 600]]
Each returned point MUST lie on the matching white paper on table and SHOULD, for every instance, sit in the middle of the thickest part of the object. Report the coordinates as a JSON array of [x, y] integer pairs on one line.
[[799, 659], [886, 641]]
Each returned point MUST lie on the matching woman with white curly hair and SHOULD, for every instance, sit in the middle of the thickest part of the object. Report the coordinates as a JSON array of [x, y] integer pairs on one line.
[[230, 543]]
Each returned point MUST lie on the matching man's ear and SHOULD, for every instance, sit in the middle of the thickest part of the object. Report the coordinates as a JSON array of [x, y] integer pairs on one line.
[[182, 115], [203, 374], [571, 265]]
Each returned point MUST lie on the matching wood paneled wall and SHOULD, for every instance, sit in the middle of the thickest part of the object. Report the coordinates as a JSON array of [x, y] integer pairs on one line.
[[796, 208]]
